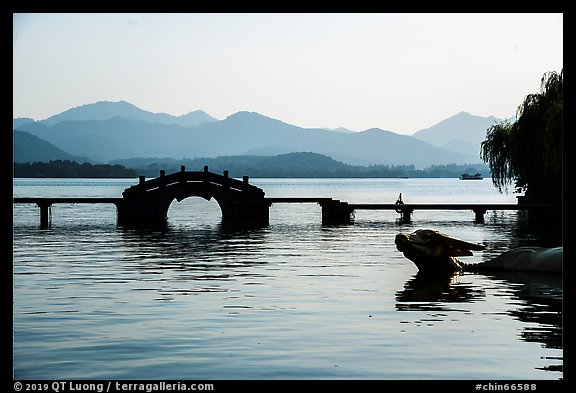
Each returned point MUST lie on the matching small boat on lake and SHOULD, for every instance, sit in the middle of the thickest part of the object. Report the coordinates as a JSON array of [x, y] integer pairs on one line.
[[467, 176]]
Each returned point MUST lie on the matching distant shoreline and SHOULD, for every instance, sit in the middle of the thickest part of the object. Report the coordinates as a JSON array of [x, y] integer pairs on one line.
[[295, 165]]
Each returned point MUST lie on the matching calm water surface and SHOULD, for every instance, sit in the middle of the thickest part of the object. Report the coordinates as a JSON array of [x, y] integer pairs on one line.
[[294, 300]]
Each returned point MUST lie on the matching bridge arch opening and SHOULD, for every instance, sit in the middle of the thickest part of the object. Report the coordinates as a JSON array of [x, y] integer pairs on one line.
[[195, 211]]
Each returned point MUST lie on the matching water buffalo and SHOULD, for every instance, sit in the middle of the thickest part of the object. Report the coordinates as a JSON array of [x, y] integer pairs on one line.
[[436, 252]]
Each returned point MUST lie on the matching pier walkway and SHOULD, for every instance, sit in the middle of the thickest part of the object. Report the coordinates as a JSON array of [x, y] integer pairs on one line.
[[240, 202]]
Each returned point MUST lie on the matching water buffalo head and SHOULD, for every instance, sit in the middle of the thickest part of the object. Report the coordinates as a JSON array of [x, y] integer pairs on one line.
[[433, 251]]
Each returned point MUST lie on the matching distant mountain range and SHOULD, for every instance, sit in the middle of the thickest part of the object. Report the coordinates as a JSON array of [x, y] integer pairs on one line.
[[105, 110], [106, 131], [460, 133]]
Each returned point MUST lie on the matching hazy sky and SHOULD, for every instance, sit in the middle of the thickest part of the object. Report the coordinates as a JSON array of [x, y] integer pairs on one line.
[[398, 72]]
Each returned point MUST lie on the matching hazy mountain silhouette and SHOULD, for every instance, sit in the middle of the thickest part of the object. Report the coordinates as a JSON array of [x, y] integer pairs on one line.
[[29, 148], [104, 140], [109, 131], [20, 121], [106, 110], [461, 133]]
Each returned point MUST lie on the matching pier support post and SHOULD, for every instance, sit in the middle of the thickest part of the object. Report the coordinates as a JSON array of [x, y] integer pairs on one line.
[[336, 212], [44, 214], [406, 215], [479, 216]]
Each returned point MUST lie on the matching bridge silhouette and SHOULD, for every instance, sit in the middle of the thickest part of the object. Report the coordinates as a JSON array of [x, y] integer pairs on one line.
[[148, 201], [241, 203]]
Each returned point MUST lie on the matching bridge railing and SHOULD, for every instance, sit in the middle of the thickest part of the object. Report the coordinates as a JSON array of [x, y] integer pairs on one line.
[[194, 177]]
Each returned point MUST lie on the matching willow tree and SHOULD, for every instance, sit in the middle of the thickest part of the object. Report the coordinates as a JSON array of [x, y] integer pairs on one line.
[[529, 151]]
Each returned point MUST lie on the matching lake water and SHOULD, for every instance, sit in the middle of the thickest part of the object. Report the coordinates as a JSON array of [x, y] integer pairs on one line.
[[294, 300]]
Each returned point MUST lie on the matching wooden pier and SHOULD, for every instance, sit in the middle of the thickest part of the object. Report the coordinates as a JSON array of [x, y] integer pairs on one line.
[[45, 203], [479, 209], [240, 202]]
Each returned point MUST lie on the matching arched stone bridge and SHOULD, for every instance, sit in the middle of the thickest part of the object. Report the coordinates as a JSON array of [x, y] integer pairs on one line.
[[149, 201]]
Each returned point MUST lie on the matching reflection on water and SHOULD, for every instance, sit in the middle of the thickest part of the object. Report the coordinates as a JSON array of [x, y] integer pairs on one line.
[[436, 293], [539, 305], [196, 245], [201, 259], [536, 300]]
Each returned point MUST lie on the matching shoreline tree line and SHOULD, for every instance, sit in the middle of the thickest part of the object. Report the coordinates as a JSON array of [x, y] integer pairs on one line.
[[292, 165], [70, 169]]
